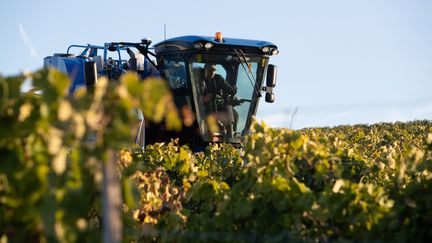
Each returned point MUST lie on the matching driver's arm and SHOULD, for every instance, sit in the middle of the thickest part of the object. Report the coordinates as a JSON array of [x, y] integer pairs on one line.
[[226, 87]]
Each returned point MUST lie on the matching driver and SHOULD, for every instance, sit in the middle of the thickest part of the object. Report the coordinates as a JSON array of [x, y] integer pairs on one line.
[[215, 86], [218, 97]]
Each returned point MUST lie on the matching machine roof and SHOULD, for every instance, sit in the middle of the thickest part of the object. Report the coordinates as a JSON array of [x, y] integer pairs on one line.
[[225, 41], [187, 42]]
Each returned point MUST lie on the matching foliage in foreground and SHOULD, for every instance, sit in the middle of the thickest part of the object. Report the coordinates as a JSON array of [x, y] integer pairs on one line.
[[345, 183], [353, 183], [54, 147]]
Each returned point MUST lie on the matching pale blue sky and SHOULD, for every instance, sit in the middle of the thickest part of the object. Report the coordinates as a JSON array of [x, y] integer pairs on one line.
[[340, 61]]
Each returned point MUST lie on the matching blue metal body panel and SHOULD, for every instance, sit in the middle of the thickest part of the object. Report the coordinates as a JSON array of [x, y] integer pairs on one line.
[[75, 71]]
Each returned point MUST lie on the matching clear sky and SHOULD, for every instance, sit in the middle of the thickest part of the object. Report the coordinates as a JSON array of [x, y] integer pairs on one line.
[[340, 61]]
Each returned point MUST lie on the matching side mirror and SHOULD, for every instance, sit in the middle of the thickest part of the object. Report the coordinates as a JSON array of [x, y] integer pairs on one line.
[[271, 76], [270, 83], [269, 97]]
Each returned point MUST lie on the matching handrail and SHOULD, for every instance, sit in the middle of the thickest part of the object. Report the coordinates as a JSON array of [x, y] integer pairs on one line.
[[84, 46]]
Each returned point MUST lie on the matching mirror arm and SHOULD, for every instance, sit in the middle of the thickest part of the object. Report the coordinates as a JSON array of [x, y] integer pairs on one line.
[[267, 89]]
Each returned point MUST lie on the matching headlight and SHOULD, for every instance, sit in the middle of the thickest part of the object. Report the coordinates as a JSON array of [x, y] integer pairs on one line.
[[208, 45], [275, 51], [198, 45]]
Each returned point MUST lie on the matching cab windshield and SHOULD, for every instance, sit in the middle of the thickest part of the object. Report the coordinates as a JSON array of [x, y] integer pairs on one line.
[[226, 90]]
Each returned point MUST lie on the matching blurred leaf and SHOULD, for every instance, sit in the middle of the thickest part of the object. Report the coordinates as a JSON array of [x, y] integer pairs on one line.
[[212, 124], [59, 81], [65, 110], [25, 111], [59, 162]]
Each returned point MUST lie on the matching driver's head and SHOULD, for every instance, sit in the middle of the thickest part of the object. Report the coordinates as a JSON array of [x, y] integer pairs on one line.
[[209, 70]]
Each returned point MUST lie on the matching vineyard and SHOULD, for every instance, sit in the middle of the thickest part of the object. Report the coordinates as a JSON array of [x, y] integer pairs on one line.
[[347, 183]]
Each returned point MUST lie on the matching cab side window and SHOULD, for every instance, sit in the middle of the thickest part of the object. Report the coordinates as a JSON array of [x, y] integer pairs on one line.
[[175, 71]]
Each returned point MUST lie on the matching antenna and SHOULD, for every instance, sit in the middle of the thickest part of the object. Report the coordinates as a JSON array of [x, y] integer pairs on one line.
[[165, 34]]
